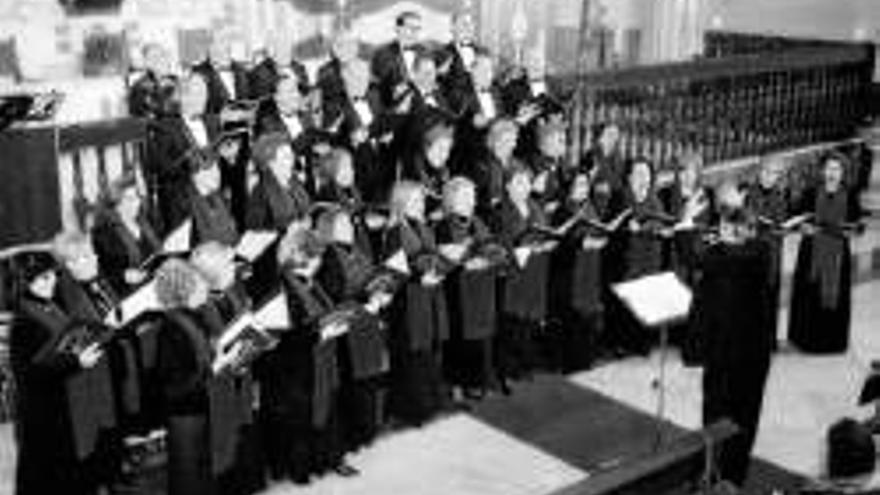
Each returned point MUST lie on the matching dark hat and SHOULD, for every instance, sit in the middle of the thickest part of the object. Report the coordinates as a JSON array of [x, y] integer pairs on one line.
[[851, 450], [35, 263]]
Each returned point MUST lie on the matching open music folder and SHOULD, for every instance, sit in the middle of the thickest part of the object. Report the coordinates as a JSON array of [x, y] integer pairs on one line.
[[657, 299]]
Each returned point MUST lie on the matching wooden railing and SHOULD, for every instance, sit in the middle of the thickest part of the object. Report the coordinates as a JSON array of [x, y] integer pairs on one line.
[[725, 108]]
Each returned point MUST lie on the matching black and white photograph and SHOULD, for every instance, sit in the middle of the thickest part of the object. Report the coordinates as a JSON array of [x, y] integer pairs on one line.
[[439, 247]]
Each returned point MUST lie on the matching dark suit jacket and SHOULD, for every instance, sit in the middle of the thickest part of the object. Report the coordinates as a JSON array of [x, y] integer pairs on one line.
[[263, 78], [389, 69], [218, 95]]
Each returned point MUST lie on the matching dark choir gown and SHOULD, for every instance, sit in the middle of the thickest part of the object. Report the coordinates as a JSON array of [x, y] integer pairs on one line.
[[607, 172], [120, 249], [212, 220], [58, 413], [272, 206], [299, 382], [349, 199], [347, 274], [523, 293], [771, 206], [472, 299], [183, 368], [419, 327], [821, 298], [576, 288], [235, 454], [170, 156], [681, 257], [733, 310], [635, 254]]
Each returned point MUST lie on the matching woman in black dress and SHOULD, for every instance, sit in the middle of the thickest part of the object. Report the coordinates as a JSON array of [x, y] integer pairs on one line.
[[300, 377], [279, 197], [124, 240], [211, 217], [769, 201], [821, 301], [418, 315], [351, 279], [524, 288], [469, 363], [637, 251], [577, 280], [48, 458], [183, 359], [335, 184], [689, 203], [607, 169]]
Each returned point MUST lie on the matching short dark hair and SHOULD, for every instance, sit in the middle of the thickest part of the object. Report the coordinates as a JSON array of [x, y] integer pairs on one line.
[[403, 16]]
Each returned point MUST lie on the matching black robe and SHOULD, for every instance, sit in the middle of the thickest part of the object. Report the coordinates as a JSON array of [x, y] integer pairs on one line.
[[733, 310], [576, 292], [170, 156], [272, 206], [473, 312], [822, 295], [119, 250], [608, 184], [419, 327], [346, 273], [218, 94], [44, 417], [524, 291], [299, 381], [212, 220]]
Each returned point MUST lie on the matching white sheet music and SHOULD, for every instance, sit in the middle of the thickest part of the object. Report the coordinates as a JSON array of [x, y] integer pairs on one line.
[[179, 239], [453, 252], [398, 262], [254, 243], [656, 299], [274, 314], [487, 104], [364, 113], [539, 87], [293, 125], [139, 302], [522, 254]]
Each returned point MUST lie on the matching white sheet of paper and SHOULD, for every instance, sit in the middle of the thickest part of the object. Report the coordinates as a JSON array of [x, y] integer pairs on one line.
[[522, 255], [228, 80], [197, 128], [539, 87], [796, 220], [334, 330], [398, 262], [294, 126], [453, 252], [179, 239], [254, 243], [487, 104], [274, 314], [140, 301], [364, 113], [656, 299]]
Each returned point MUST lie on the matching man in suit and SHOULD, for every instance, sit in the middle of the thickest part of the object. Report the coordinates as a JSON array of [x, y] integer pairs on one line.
[[330, 80], [393, 63], [225, 78], [150, 94], [456, 62]]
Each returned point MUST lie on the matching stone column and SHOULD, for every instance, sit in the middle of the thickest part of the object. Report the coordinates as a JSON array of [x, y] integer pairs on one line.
[[870, 198]]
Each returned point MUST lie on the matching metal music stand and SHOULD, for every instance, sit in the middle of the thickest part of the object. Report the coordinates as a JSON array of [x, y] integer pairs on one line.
[[657, 301]]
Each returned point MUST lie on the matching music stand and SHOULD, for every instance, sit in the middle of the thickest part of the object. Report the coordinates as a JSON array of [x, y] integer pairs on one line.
[[657, 301]]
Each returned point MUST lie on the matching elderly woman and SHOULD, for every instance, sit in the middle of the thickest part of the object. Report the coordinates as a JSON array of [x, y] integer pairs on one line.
[[45, 375], [279, 197], [473, 314], [184, 358], [821, 300], [124, 240], [607, 169], [300, 377], [418, 316]]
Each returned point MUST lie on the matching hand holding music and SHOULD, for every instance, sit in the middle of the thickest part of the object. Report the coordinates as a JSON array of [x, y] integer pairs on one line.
[[134, 276], [90, 356]]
